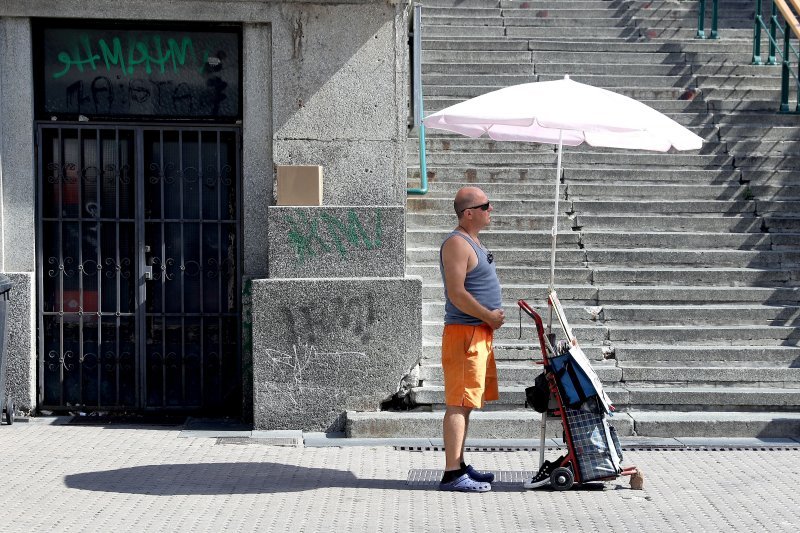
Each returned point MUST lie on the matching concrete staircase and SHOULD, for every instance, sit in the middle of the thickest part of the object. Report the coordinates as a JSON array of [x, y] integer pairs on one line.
[[693, 259]]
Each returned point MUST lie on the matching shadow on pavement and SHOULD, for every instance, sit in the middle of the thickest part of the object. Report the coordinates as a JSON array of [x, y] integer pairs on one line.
[[222, 478]]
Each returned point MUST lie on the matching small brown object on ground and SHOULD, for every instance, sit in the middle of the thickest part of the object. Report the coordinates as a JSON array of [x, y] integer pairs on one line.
[[637, 480]]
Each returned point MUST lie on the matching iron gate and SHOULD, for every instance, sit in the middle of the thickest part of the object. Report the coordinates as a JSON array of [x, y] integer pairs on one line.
[[138, 244]]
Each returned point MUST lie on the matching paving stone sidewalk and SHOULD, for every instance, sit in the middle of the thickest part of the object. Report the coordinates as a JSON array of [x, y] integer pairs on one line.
[[123, 478]]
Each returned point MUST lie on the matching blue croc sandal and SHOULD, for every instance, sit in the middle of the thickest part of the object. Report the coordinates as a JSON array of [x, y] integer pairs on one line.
[[483, 477], [465, 484]]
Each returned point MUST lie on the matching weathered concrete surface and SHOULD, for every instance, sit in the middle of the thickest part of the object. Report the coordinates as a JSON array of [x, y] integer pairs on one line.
[[20, 345], [322, 347], [336, 242], [17, 169]]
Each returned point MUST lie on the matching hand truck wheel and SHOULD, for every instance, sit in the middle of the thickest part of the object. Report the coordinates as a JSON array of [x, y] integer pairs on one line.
[[562, 478]]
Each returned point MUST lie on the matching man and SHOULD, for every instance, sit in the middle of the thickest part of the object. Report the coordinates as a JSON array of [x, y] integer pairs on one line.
[[472, 313]]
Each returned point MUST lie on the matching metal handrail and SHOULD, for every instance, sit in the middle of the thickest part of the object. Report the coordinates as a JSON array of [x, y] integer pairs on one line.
[[701, 19], [791, 27], [419, 112]]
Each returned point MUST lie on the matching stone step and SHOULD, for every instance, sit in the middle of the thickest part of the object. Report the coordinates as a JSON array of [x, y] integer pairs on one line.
[[629, 69], [761, 147], [656, 206], [470, 90], [432, 12], [592, 334], [622, 176], [523, 373], [506, 256], [645, 32], [618, 46], [727, 398], [630, 275], [598, 80], [782, 224], [687, 240], [522, 32], [666, 315], [530, 189], [511, 397], [648, 354], [697, 105], [663, 294], [715, 424], [688, 16], [525, 424], [564, 273], [657, 223], [657, 256], [582, 20], [459, 19], [429, 237], [626, 354], [586, 157], [532, 290], [499, 222], [516, 424], [664, 275], [712, 314], [615, 190], [667, 294], [738, 335], [623, 397], [499, 204], [430, 45], [473, 31], [777, 377]]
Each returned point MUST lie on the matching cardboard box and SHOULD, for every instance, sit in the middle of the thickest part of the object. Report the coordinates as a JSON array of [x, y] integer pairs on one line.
[[299, 185]]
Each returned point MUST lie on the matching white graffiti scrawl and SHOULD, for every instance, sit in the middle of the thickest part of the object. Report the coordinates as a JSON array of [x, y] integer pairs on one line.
[[312, 375]]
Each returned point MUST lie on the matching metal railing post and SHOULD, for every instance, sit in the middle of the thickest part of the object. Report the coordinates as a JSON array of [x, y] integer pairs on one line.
[[785, 71], [714, 12], [419, 112], [773, 35], [757, 34], [701, 17]]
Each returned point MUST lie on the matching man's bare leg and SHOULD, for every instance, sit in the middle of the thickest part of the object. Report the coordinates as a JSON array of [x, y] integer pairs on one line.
[[464, 438], [456, 420]]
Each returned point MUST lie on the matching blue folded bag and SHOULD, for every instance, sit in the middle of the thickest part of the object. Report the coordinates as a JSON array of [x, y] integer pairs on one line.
[[573, 383]]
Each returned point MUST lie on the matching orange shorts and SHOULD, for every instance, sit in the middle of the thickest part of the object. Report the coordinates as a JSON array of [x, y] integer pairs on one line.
[[470, 374]]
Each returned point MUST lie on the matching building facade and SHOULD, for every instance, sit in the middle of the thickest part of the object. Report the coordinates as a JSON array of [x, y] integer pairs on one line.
[[138, 147]]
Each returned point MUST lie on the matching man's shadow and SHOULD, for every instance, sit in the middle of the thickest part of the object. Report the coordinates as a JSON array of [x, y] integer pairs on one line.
[[222, 478]]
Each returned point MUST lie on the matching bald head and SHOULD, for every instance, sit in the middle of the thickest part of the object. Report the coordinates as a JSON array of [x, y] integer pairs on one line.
[[466, 197]]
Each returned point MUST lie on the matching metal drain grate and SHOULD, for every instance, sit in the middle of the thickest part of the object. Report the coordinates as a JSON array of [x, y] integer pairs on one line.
[[431, 477], [274, 441]]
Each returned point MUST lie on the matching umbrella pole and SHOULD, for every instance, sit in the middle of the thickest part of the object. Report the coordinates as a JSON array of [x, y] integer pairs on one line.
[[554, 231]]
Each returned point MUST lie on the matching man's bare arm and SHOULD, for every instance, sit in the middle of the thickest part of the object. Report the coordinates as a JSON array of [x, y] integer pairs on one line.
[[457, 255]]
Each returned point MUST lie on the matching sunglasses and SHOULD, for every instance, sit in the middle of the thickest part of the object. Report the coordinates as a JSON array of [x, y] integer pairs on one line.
[[482, 207]]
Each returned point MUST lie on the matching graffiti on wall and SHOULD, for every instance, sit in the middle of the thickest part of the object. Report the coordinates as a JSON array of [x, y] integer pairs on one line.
[[315, 323], [312, 235], [307, 373]]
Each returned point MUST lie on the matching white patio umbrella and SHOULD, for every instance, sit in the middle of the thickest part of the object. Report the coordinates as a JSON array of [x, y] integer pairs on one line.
[[567, 113]]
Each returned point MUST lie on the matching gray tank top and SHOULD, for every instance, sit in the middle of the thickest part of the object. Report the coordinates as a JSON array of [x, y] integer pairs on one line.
[[481, 282]]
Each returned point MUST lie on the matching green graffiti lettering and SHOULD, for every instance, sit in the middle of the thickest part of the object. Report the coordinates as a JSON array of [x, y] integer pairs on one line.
[[339, 232], [74, 59], [179, 53], [147, 53], [352, 230], [112, 55], [304, 242]]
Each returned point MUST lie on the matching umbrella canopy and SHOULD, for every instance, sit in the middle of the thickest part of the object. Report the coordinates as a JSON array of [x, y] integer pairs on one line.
[[564, 112], [577, 113]]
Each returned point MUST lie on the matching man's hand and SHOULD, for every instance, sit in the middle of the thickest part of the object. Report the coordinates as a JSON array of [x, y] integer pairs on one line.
[[496, 318]]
